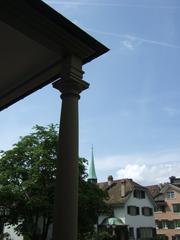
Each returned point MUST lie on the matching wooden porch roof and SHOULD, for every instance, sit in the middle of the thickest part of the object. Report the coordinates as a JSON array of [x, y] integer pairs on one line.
[[34, 40]]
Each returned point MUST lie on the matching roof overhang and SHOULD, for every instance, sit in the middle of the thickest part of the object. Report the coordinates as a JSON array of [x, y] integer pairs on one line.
[[168, 186], [34, 41]]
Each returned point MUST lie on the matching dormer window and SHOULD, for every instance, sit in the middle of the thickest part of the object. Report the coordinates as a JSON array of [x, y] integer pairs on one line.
[[170, 195], [139, 194]]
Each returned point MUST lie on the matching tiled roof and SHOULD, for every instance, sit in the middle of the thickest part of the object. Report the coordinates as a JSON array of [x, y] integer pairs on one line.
[[154, 190], [114, 190]]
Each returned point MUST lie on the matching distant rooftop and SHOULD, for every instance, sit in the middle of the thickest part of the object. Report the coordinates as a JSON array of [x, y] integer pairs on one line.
[[175, 181], [155, 190], [119, 190]]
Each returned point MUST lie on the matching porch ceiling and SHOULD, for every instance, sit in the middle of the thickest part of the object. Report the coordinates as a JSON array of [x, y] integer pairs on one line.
[[34, 40]]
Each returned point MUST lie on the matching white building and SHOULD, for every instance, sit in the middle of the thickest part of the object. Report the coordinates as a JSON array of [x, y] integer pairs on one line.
[[132, 210]]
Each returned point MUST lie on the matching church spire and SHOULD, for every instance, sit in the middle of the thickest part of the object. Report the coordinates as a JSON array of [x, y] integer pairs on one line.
[[92, 172]]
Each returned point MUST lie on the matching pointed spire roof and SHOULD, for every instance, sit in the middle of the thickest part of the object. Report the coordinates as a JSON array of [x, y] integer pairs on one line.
[[92, 171]]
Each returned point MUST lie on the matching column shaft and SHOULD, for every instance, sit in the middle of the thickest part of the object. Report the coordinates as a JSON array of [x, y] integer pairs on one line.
[[66, 197], [65, 225]]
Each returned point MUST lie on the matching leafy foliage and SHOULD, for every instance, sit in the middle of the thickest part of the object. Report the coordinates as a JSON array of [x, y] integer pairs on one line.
[[27, 177], [91, 203]]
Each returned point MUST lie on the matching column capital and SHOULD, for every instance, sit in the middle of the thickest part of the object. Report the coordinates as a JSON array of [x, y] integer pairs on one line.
[[71, 86], [71, 78]]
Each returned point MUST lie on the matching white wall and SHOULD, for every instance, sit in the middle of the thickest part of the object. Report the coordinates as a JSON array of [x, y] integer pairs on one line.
[[134, 221], [139, 220], [120, 213]]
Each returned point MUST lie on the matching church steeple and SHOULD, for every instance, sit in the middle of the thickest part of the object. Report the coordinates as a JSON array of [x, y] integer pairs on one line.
[[92, 172]]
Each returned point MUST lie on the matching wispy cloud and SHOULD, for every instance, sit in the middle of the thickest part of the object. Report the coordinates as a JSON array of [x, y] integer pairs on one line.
[[129, 41], [108, 4], [128, 44], [160, 165], [171, 111], [154, 42], [149, 174], [117, 161]]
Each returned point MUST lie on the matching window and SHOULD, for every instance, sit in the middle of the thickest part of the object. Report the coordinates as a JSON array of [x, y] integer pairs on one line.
[[165, 224], [170, 224], [133, 210], [177, 223], [176, 237], [145, 233], [139, 194], [160, 209], [131, 233], [157, 224], [147, 211], [176, 207], [161, 237], [170, 195], [161, 224]]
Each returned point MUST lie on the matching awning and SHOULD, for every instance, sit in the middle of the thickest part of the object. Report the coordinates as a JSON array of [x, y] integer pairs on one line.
[[112, 221]]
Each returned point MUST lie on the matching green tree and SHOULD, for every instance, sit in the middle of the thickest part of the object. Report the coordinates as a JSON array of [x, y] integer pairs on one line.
[[91, 203], [27, 177]]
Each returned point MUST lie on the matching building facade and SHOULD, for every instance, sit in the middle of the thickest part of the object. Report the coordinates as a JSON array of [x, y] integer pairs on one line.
[[167, 212], [133, 206]]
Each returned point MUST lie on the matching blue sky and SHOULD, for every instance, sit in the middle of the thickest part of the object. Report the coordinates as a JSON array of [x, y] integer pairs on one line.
[[131, 112]]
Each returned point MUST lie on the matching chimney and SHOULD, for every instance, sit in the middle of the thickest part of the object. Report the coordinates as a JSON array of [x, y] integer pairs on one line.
[[123, 188], [172, 179], [110, 180]]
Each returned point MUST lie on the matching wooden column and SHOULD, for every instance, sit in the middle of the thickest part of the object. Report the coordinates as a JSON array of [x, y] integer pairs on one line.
[[66, 197]]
